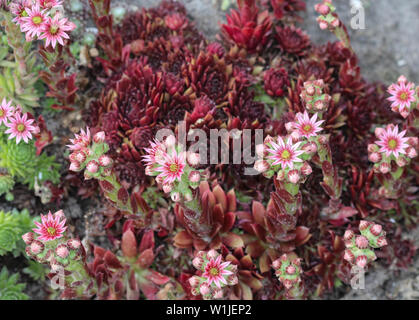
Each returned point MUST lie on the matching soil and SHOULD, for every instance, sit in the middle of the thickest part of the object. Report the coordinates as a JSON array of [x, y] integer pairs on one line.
[[385, 50]]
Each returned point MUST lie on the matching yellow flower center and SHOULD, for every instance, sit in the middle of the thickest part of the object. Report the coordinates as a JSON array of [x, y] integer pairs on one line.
[[53, 29], [392, 144], [20, 127], [307, 128], [24, 13], [1, 113], [285, 154], [37, 20], [214, 272], [51, 231], [403, 96], [174, 168]]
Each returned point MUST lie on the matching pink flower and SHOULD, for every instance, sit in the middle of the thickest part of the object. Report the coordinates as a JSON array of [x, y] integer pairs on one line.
[[215, 271], [307, 127], [51, 227], [49, 4], [171, 167], [402, 96], [285, 154], [80, 141], [392, 142], [20, 127], [6, 111], [157, 149], [55, 30], [18, 9], [34, 22]]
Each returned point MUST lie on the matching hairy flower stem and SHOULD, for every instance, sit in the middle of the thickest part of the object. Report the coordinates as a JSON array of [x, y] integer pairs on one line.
[[332, 183]]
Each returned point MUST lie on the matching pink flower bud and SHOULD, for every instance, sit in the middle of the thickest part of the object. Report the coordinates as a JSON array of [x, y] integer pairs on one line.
[[384, 167], [309, 89], [170, 141], [204, 289], [372, 147], [73, 244], [218, 294], [323, 24], [277, 264], [378, 132], [335, 23], [401, 161], [381, 241], [37, 247], [323, 139], [193, 159], [74, 166], [349, 256], [149, 171], [375, 157], [268, 139], [194, 281], [376, 229], [99, 137], [261, 166], [411, 152], [198, 262], [194, 176], [80, 156], [310, 147], [289, 126], [168, 187], [201, 254], [105, 161], [361, 242], [295, 136], [92, 166], [413, 141], [349, 234], [212, 254], [28, 238], [306, 169], [62, 251], [402, 79], [363, 224], [290, 270], [322, 9], [293, 176], [319, 105], [260, 150], [404, 112], [361, 261]]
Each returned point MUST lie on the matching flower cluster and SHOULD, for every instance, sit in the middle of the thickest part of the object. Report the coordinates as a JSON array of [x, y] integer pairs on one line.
[[404, 96], [314, 97], [213, 275], [360, 248], [42, 19], [20, 125], [288, 270], [392, 145], [175, 170], [286, 158], [90, 154]]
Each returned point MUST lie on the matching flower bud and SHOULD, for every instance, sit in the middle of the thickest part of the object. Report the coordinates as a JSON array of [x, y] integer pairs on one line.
[[168, 187], [218, 294], [194, 281], [204, 289], [232, 280], [193, 159], [212, 254], [73, 244], [62, 251], [363, 224], [361, 261], [289, 126], [28, 238], [105, 161], [381, 241], [384, 167], [372, 147], [411, 152], [378, 132], [375, 157], [197, 262], [349, 256], [194, 176], [322, 9], [92, 166], [349, 234], [99, 137], [361, 242], [37, 247], [277, 264], [149, 171], [290, 270], [376, 229], [170, 141], [74, 166], [401, 161], [260, 150], [306, 169], [261, 166], [293, 176], [80, 156]]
